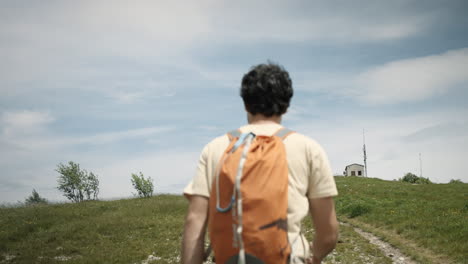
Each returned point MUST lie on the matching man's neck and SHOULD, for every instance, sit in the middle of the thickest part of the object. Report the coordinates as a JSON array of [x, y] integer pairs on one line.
[[260, 119]]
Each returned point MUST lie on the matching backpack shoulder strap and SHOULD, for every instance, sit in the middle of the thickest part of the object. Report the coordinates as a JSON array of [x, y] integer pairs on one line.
[[283, 133], [233, 134]]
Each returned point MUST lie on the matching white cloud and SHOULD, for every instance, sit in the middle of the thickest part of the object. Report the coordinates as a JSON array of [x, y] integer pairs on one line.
[[26, 119], [124, 97], [388, 32], [24, 122], [64, 49], [87, 45], [209, 127], [444, 130], [109, 137], [247, 21], [48, 141], [128, 97], [414, 79], [25, 134]]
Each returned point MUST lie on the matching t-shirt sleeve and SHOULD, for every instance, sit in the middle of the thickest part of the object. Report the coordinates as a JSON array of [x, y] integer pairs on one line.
[[199, 184], [321, 180]]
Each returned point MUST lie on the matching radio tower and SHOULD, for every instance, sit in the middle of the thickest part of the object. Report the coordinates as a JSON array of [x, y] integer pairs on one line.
[[420, 165], [364, 150]]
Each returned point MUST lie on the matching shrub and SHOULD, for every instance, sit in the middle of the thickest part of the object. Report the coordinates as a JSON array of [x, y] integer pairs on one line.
[[143, 186], [77, 184], [409, 177], [358, 209], [354, 208], [412, 178], [35, 198], [455, 181], [422, 180]]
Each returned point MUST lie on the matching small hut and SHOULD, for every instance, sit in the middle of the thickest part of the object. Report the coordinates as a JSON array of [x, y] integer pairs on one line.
[[354, 170]]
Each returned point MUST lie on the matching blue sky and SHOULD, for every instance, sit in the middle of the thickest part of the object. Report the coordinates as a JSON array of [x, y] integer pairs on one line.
[[121, 87]]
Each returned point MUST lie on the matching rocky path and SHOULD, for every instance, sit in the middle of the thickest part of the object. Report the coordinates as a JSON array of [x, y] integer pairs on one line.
[[388, 250], [355, 246], [358, 246]]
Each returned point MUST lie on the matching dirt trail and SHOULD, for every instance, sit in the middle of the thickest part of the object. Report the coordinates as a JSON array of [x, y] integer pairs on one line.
[[363, 256], [396, 255]]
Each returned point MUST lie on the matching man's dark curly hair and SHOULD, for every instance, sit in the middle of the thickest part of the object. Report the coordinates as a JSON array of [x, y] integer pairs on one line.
[[267, 89]]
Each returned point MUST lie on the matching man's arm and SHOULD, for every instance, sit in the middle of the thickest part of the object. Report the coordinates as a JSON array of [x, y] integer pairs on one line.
[[194, 231], [326, 227]]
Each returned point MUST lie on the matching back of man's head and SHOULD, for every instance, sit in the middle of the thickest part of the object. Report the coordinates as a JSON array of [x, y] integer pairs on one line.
[[267, 89]]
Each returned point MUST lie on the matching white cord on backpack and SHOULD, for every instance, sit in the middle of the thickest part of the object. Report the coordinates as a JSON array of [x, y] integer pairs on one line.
[[248, 141]]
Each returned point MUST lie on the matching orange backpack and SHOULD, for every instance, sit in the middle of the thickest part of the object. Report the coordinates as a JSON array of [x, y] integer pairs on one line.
[[249, 201]]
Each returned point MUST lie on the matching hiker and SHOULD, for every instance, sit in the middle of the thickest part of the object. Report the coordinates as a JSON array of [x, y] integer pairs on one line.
[[259, 171]]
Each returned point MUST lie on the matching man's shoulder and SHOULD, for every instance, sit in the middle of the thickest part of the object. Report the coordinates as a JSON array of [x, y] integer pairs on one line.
[[297, 137], [217, 144], [300, 143]]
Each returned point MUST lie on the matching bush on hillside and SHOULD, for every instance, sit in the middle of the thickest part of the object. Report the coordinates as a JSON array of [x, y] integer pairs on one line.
[[412, 178], [77, 184], [35, 199], [455, 181], [143, 186], [423, 180], [353, 208], [358, 209], [409, 177]]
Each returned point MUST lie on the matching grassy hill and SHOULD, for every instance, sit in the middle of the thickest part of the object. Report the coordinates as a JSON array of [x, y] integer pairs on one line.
[[123, 231], [413, 217]]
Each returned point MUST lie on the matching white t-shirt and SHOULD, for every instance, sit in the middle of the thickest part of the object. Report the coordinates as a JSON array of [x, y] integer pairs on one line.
[[310, 176]]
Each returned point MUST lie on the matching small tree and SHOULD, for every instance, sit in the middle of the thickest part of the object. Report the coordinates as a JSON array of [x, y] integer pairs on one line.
[[77, 184], [91, 186], [409, 177], [412, 178], [143, 186], [35, 198]]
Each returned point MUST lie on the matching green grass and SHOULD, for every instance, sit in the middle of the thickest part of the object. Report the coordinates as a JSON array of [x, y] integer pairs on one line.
[[124, 231], [427, 222], [432, 216]]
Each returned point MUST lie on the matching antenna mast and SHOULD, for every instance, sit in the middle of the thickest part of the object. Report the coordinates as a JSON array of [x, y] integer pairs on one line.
[[364, 150], [420, 165]]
